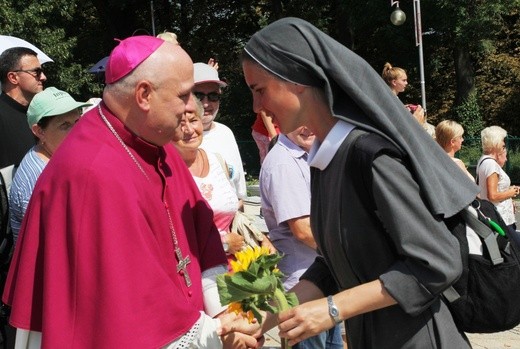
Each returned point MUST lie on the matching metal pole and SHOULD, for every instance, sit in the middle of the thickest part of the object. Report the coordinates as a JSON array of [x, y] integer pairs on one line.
[[419, 43], [153, 17]]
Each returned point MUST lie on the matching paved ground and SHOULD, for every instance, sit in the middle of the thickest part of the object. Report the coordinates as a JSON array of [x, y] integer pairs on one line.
[[507, 339], [501, 340], [272, 340]]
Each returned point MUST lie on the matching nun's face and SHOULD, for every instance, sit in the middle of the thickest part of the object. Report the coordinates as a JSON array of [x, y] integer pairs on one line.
[[275, 96]]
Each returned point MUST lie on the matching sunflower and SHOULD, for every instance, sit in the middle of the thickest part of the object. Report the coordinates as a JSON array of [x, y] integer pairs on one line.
[[236, 307], [247, 256], [255, 284]]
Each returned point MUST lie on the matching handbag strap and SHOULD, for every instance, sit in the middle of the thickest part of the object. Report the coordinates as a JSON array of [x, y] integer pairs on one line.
[[487, 235], [478, 165], [489, 239], [223, 164]]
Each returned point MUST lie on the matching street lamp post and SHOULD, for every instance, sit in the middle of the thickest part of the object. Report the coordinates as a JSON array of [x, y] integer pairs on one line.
[[397, 18], [419, 44], [153, 17]]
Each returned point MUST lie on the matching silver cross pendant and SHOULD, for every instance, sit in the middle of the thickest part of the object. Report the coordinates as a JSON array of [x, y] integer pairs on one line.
[[182, 266]]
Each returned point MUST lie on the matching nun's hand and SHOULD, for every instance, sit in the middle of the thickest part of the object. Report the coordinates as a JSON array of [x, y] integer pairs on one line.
[[305, 320]]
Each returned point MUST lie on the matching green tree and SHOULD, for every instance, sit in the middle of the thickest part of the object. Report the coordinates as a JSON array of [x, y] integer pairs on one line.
[[471, 49], [44, 24], [472, 31]]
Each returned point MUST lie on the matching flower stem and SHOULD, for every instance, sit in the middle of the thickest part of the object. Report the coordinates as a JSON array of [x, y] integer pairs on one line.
[[281, 302]]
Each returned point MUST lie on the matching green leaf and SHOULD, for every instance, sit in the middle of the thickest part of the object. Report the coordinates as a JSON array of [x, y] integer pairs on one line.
[[235, 288], [292, 299], [256, 312]]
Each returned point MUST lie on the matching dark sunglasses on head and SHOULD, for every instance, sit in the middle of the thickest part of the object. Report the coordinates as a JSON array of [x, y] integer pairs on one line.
[[36, 72], [212, 96]]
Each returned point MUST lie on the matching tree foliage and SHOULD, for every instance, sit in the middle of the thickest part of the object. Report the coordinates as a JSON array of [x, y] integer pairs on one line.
[[471, 47], [47, 24], [473, 31]]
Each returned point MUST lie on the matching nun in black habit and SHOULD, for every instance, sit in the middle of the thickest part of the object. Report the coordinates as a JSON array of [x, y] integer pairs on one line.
[[388, 267]]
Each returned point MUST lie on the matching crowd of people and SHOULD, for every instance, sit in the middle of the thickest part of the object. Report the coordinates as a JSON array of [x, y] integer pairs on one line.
[[115, 218], [122, 209]]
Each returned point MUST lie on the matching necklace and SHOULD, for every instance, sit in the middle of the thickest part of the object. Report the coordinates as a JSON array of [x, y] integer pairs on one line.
[[182, 262]]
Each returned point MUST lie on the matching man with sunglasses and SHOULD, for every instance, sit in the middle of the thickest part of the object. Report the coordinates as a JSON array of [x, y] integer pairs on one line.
[[22, 78], [218, 138]]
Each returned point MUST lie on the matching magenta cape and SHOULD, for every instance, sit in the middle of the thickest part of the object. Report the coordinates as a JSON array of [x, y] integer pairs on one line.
[[94, 266]]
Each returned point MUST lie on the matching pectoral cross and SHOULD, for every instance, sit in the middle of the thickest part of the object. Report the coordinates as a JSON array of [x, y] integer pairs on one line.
[[182, 266]]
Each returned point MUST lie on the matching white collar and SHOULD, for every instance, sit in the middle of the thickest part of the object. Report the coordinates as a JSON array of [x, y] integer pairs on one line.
[[322, 152]]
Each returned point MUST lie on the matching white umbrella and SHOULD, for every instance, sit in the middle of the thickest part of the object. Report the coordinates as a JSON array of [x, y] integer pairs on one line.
[[7, 42], [100, 66]]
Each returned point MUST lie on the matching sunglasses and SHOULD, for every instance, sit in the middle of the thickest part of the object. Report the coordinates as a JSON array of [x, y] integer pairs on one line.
[[36, 72], [212, 96]]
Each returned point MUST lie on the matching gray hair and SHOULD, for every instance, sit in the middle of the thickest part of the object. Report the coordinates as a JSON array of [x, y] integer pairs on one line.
[[491, 138], [199, 108]]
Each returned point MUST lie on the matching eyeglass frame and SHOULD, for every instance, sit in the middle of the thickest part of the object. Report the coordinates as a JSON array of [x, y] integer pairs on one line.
[[212, 96], [35, 72]]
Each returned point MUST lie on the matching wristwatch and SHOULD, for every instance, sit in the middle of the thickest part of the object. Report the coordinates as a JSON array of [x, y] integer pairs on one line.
[[333, 310]]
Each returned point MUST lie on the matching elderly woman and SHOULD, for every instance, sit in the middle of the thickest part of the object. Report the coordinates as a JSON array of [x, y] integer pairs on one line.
[[448, 135], [495, 184], [390, 265], [51, 115], [210, 173]]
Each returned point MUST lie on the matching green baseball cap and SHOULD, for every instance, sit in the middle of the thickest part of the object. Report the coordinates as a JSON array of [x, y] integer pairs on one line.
[[51, 102]]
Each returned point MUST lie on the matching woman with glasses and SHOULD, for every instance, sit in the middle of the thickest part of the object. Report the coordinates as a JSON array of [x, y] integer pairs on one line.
[[218, 137], [495, 184], [51, 115]]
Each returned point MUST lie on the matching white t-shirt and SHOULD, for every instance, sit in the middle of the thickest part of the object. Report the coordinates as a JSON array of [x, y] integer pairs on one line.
[[485, 169], [220, 139], [219, 193]]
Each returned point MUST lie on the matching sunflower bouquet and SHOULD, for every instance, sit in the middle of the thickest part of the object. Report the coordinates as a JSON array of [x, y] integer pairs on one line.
[[255, 284]]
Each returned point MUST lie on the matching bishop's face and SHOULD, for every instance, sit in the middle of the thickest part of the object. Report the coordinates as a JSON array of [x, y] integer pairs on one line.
[[170, 98]]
